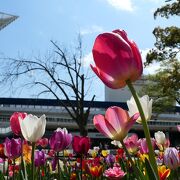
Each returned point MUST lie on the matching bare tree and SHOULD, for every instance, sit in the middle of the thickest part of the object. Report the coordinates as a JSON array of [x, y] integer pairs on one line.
[[59, 74]]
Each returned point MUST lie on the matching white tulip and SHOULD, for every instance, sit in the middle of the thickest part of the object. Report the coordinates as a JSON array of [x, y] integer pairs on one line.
[[116, 143], [160, 137], [146, 106], [32, 127]]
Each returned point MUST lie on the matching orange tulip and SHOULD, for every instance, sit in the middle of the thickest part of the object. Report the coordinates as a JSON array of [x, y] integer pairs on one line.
[[96, 171], [163, 172]]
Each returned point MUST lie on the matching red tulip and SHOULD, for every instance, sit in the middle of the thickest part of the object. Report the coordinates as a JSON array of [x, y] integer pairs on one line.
[[14, 122], [81, 145], [117, 59], [43, 142]]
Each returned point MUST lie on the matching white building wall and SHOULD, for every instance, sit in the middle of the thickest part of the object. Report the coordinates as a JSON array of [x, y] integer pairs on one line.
[[123, 94]]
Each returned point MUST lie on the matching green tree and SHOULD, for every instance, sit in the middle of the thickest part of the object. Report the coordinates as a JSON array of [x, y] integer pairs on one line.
[[164, 86]]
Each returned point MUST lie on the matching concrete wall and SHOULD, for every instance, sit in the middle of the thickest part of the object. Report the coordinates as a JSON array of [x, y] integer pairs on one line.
[[123, 94]]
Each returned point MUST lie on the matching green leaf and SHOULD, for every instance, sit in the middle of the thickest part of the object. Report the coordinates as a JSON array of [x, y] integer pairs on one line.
[[2, 176], [139, 174], [149, 170]]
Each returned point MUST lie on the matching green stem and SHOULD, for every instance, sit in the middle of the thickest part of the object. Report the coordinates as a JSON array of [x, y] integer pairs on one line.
[[81, 167], [7, 169], [22, 161], [32, 161], [145, 128], [4, 165], [59, 170], [136, 170], [14, 169], [176, 172]]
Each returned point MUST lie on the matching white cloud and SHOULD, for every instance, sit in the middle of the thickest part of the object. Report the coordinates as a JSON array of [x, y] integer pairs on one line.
[[151, 69], [155, 1], [92, 29], [87, 60], [125, 5]]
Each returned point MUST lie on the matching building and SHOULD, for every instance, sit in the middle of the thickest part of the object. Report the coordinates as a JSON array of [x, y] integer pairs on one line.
[[58, 117], [6, 19], [123, 94]]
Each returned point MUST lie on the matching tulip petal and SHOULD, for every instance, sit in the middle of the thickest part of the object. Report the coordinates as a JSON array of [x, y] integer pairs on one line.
[[117, 117], [131, 121], [122, 33], [113, 55], [32, 127], [137, 59], [41, 126], [102, 126], [107, 79], [117, 59]]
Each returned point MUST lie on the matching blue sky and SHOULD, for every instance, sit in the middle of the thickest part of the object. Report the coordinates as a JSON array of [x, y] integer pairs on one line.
[[61, 20]]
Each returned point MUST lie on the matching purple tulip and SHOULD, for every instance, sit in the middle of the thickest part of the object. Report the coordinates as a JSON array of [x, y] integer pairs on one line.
[[39, 158], [12, 147], [171, 158], [110, 159], [54, 163], [60, 139]]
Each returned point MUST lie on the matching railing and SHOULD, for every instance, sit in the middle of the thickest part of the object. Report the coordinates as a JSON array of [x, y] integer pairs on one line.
[[5, 130]]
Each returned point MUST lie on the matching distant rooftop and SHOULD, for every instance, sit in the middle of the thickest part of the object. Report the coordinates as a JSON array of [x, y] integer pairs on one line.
[[6, 19]]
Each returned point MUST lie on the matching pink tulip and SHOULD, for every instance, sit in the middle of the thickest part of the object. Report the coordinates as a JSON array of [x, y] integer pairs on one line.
[[114, 173], [117, 59], [132, 143], [115, 124], [143, 147], [14, 122]]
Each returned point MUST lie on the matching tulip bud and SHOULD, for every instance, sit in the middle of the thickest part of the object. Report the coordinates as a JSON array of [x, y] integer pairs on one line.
[[43, 142], [143, 147], [171, 158], [12, 147], [32, 127], [132, 144], [117, 59], [146, 105], [14, 122], [39, 158], [160, 137], [60, 139], [81, 145], [2, 155]]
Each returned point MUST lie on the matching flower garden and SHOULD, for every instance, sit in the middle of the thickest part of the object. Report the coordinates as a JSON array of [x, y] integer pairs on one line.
[[29, 156]]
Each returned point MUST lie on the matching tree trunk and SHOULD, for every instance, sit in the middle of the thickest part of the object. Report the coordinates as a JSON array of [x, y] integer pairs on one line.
[[83, 130]]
